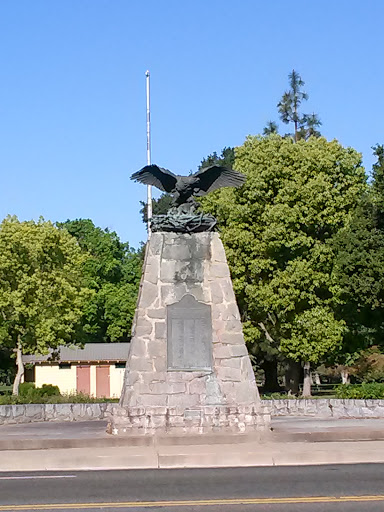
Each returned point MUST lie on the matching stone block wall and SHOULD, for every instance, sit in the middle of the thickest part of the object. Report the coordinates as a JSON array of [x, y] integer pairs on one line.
[[181, 420], [326, 408], [237, 418], [29, 413]]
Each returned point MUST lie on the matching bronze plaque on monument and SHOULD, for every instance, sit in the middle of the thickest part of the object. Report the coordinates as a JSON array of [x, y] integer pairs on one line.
[[189, 339]]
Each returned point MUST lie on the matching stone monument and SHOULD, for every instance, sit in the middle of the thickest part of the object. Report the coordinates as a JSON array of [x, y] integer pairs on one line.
[[188, 369]]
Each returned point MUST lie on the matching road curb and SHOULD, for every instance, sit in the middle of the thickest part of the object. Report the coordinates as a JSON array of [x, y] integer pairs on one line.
[[149, 441], [168, 457]]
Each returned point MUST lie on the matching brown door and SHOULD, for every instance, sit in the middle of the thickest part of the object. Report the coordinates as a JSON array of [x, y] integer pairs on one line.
[[83, 377], [102, 381]]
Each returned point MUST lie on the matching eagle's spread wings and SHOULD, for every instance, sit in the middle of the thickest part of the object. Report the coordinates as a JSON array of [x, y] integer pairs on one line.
[[157, 176], [215, 176]]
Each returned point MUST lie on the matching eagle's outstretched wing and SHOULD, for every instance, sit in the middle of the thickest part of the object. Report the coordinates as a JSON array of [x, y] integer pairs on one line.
[[215, 176], [157, 176]]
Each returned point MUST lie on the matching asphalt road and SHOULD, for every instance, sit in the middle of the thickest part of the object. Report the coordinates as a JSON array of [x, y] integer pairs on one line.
[[347, 488]]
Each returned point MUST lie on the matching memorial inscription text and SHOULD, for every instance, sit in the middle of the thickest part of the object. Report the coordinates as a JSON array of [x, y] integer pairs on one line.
[[189, 340]]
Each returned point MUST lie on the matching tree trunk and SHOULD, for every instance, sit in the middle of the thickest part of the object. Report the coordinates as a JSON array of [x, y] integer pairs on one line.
[[271, 383], [20, 368], [292, 377], [265, 330], [295, 121], [307, 379], [345, 376]]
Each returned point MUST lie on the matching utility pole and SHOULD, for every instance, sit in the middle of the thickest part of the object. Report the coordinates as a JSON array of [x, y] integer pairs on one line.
[[149, 187]]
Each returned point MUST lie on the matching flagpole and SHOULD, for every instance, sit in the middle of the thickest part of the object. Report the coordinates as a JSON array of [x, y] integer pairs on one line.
[[149, 187]]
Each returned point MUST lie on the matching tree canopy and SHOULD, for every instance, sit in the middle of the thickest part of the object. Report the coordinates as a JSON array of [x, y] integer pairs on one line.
[[226, 158], [305, 125], [277, 230], [359, 268], [42, 293], [113, 271]]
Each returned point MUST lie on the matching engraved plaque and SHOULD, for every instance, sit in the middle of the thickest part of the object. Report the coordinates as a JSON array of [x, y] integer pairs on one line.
[[189, 339]]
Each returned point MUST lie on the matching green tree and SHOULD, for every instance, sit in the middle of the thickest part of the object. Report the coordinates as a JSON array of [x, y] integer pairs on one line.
[[41, 291], [311, 123], [277, 230], [7, 366], [226, 158], [378, 185], [289, 105], [378, 169], [310, 336], [113, 272], [359, 274], [270, 128], [359, 269]]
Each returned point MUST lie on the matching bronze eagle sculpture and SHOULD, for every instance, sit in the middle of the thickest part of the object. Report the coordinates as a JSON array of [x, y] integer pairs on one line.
[[184, 188]]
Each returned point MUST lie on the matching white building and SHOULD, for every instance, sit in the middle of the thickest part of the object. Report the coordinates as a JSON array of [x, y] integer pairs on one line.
[[97, 369]]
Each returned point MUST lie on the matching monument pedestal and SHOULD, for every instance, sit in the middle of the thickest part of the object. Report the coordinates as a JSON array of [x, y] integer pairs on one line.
[[188, 369]]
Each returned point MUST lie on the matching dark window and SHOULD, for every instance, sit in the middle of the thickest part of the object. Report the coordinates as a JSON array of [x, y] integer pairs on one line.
[[64, 366], [29, 374], [120, 365]]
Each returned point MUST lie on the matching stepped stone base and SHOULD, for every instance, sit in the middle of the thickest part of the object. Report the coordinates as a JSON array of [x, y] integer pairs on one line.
[[177, 420], [188, 369]]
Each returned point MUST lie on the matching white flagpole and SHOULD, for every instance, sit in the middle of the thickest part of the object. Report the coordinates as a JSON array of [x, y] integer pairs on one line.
[[149, 187]]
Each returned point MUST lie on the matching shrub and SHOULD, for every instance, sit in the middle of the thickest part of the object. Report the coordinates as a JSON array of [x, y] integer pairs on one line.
[[5, 390], [49, 390], [370, 366], [34, 396], [29, 394], [277, 396], [365, 391], [26, 388]]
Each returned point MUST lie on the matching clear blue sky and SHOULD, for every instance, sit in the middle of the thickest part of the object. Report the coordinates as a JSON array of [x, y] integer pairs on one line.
[[72, 91]]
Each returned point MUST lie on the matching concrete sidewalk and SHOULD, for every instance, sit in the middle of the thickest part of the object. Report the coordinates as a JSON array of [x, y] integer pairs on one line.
[[291, 441]]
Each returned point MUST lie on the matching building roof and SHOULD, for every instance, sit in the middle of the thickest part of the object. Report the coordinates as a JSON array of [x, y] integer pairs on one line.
[[89, 352]]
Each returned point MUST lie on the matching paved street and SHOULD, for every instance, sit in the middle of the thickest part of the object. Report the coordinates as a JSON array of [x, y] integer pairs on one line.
[[310, 488]]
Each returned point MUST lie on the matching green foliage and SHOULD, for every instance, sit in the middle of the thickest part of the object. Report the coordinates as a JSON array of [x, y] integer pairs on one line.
[[160, 206], [26, 388], [270, 128], [359, 267], [278, 396], [358, 274], [277, 230], [7, 366], [49, 390], [305, 125], [36, 397], [287, 396], [226, 159], [41, 291], [309, 126], [312, 335], [5, 389], [110, 259], [119, 303], [112, 271], [378, 186], [378, 170], [365, 391], [369, 366], [28, 393]]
